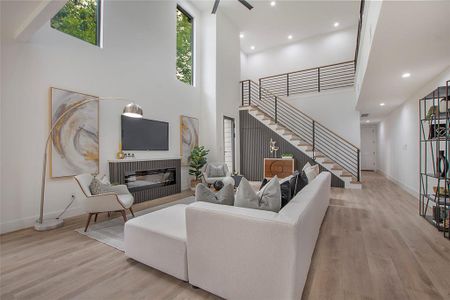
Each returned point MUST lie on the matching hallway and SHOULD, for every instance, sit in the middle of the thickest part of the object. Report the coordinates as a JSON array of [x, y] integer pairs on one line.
[[374, 245]]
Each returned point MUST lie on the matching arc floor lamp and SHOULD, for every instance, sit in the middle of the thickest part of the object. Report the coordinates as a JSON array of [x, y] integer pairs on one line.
[[130, 110]]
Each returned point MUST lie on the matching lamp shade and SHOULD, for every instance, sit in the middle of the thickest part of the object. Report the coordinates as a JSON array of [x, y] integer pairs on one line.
[[133, 110]]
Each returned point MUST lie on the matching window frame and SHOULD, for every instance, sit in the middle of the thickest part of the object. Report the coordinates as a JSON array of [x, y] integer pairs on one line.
[[98, 27], [192, 19]]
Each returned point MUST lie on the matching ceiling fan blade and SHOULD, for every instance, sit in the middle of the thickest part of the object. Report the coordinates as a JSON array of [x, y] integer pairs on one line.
[[246, 4], [216, 4]]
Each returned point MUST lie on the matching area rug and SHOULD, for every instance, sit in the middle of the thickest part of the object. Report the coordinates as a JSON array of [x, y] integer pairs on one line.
[[111, 232]]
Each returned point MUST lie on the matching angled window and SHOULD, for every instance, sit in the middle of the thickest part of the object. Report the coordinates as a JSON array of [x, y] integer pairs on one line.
[[81, 19], [185, 46]]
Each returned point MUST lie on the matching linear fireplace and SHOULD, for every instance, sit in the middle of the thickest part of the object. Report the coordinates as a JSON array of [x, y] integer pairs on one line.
[[147, 179]]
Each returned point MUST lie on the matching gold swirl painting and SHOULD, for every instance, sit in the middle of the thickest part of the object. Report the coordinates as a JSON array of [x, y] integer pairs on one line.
[[75, 143], [189, 137]]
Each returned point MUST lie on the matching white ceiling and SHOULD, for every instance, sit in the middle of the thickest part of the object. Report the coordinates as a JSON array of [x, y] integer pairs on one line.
[[411, 37], [265, 26]]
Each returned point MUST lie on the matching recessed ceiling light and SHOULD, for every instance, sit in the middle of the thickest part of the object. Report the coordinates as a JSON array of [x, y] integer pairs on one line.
[[252, 47], [273, 3], [406, 75], [241, 35], [290, 36], [382, 104], [336, 24], [368, 121]]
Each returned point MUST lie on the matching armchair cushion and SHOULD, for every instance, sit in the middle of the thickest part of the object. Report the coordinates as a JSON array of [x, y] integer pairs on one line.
[[215, 170], [126, 200]]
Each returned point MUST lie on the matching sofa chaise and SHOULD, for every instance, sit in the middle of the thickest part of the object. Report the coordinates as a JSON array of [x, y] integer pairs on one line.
[[233, 252]]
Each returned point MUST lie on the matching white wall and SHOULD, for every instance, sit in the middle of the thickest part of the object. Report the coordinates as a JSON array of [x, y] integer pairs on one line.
[[398, 139], [335, 47], [334, 109], [228, 69], [370, 21], [137, 62]]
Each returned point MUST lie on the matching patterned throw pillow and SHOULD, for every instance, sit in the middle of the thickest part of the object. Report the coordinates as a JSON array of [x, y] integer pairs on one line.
[[97, 187]]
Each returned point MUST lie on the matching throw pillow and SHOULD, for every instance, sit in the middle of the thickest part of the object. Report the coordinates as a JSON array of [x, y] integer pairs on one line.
[[302, 181], [293, 183], [311, 173], [263, 183], [306, 166], [286, 194], [225, 196], [216, 171], [97, 187], [268, 198]]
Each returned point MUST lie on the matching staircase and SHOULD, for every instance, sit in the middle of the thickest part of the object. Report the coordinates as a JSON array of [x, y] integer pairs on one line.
[[325, 147]]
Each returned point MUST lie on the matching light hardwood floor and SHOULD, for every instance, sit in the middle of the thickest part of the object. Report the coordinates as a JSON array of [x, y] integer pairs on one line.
[[372, 245]]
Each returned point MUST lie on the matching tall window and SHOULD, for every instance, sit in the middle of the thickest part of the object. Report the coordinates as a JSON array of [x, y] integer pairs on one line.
[[81, 19], [185, 46]]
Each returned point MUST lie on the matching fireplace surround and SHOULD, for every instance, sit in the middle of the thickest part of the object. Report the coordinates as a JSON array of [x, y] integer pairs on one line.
[[147, 179]]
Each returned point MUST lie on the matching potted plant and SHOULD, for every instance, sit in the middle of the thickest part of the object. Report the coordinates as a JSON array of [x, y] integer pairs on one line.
[[287, 155], [197, 161]]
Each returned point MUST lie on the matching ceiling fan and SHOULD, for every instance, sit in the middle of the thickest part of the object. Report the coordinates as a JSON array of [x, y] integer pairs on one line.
[[243, 2]]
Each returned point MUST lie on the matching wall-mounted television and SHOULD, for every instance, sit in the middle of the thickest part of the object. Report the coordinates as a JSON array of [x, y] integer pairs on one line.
[[144, 134]]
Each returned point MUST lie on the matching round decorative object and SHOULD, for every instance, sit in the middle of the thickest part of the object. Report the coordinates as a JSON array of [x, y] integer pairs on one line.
[[218, 185]]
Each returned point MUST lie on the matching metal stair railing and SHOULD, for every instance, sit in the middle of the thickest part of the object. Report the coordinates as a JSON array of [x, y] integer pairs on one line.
[[322, 139]]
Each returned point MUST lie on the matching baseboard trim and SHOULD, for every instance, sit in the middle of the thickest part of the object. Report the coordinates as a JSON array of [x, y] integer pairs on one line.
[[24, 223], [406, 188]]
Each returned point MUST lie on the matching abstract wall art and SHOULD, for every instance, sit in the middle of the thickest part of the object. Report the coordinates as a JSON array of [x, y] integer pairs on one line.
[[189, 137], [75, 142]]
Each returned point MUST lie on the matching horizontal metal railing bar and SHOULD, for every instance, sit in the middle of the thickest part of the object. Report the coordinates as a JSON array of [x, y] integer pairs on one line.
[[336, 79], [302, 133], [321, 67], [333, 149], [287, 109], [300, 122], [332, 155], [304, 123], [342, 164], [317, 123], [336, 75], [320, 126], [335, 87], [335, 142]]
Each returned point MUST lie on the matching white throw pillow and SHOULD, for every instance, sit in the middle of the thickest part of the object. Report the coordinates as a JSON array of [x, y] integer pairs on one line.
[[268, 198], [312, 172], [306, 166]]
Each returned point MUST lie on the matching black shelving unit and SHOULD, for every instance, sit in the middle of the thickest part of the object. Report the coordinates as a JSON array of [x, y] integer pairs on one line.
[[434, 194]]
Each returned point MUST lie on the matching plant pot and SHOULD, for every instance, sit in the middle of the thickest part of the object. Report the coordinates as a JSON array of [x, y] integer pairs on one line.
[[194, 183]]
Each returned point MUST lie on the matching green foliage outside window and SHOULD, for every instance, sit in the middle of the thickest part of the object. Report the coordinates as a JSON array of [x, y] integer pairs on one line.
[[184, 47], [78, 18]]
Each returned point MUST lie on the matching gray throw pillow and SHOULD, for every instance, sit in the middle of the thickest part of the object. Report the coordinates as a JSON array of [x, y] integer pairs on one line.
[[225, 196], [216, 171], [268, 198]]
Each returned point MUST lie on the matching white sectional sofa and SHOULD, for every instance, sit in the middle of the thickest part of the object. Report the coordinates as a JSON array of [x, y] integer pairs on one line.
[[233, 252]]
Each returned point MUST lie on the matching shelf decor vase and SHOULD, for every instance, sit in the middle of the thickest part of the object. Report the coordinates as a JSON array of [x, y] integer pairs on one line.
[[442, 164]]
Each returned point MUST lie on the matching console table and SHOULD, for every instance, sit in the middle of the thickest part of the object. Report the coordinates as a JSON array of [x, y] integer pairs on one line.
[[147, 179], [280, 167]]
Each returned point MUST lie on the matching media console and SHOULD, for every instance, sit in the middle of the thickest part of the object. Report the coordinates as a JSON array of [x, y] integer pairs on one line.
[[147, 179]]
